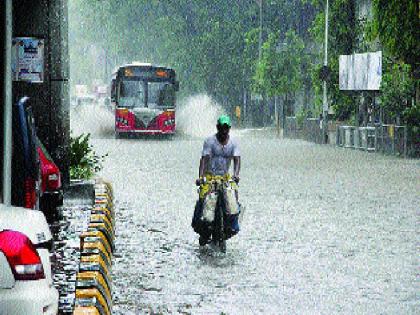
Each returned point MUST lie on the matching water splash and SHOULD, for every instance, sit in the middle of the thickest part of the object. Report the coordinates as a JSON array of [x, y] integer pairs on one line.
[[94, 119], [197, 116]]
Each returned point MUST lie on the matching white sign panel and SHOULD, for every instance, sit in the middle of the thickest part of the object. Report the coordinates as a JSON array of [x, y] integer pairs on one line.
[[28, 59], [360, 72]]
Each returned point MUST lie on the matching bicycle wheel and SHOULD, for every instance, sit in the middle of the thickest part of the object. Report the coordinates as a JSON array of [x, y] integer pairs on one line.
[[218, 229], [218, 237]]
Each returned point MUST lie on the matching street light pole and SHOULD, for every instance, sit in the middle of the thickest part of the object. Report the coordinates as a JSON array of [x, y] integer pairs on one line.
[[7, 112], [325, 98], [261, 29]]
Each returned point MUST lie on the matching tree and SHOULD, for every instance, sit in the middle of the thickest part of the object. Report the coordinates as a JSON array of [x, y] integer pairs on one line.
[[397, 90], [399, 36], [279, 70], [341, 41]]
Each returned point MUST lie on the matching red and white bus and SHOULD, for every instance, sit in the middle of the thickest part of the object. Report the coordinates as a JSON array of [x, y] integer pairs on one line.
[[144, 99]]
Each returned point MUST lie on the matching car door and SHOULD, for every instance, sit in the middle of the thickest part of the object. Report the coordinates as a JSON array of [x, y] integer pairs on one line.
[[25, 165]]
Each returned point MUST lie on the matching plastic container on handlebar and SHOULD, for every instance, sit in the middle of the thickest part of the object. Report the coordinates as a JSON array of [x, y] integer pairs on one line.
[[219, 210]]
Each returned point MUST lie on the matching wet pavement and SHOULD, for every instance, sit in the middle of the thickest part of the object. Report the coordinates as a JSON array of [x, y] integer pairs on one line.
[[74, 218], [326, 230]]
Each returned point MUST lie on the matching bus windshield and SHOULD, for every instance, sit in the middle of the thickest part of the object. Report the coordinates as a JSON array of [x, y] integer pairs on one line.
[[161, 94], [132, 94]]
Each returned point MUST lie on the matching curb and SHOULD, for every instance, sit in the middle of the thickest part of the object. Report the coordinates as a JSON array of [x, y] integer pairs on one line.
[[93, 280]]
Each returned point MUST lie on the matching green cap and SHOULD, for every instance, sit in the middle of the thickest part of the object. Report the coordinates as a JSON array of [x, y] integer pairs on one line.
[[224, 120]]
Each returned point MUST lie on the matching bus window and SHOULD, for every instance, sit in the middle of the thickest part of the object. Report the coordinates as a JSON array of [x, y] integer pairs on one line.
[[161, 95], [113, 90], [131, 94]]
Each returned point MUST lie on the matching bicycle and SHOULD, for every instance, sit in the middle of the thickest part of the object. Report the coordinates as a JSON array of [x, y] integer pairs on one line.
[[219, 209]]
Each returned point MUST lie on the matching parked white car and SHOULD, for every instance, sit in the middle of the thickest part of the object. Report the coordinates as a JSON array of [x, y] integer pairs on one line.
[[26, 286]]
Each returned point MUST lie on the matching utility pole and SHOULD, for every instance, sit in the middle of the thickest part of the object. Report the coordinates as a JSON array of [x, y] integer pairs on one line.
[[276, 114], [325, 98], [261, 29], [7, 119], [260, 40]]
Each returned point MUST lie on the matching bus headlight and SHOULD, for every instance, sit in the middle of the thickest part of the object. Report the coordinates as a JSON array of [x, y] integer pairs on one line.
[[169, 122]]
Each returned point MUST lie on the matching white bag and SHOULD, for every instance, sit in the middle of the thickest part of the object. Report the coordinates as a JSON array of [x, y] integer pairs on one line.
[[232, 206], [209, 207]]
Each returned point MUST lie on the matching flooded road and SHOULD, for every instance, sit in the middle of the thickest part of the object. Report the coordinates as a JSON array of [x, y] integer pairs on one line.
[[326, 230]]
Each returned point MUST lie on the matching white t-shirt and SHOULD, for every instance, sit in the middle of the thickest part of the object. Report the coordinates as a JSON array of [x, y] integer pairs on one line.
[[220, 155]]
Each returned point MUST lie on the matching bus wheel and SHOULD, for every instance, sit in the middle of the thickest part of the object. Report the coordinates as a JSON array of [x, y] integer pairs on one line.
[[117, 135]]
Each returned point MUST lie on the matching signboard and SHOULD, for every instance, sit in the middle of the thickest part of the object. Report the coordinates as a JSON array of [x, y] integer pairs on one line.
[[360, 72], [28, 59]]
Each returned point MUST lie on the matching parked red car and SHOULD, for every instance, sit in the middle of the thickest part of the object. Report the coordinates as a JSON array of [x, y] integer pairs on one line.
[[25, 160], [36, 179], [51, 188]]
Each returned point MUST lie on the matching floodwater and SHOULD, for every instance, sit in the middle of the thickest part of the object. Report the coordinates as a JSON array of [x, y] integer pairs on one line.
[[74, 219], [326, 230]]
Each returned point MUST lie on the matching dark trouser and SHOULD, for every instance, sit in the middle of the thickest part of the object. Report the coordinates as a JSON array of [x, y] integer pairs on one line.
[[205, 228], [201, 227]]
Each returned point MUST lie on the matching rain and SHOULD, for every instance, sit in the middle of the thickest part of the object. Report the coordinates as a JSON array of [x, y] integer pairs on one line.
[[330, 226]]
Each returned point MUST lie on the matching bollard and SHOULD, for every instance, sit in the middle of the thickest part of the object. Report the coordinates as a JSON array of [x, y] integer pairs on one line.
[[96, 249], [103, 189], [93, 279], [102, 218], [100, 183], [103, 194], [86, 310], [95, 263], [104, 211], [103, 202], [91, 297], [93, 282], [101, 226], [95, 236], [109, 211], [95, 218]]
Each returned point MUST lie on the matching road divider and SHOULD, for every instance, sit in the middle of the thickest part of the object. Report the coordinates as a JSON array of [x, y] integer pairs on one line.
[[93, 281]]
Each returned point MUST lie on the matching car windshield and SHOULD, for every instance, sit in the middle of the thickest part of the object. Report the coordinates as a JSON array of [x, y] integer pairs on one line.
[[161, 94], [132, 94]]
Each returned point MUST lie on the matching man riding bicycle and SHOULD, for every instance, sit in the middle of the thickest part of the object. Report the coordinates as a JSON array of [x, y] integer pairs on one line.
[[218, 152]]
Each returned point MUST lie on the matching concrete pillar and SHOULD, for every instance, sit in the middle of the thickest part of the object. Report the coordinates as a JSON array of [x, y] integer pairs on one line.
[[59, 83], [48, 19], [2, 91]]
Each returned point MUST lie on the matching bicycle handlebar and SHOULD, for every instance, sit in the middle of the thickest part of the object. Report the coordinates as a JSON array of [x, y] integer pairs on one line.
[[216, 179]]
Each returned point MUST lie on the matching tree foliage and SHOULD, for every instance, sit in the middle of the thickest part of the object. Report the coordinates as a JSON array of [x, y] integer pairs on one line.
[[279, 70], [213, 45], [202, 40], [398, 25], [397, 91], [341, 41]]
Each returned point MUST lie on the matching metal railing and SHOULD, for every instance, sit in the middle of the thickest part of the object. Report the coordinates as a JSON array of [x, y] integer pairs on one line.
[[388, 139], [309, 130], [384, 138], [392, 139]]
